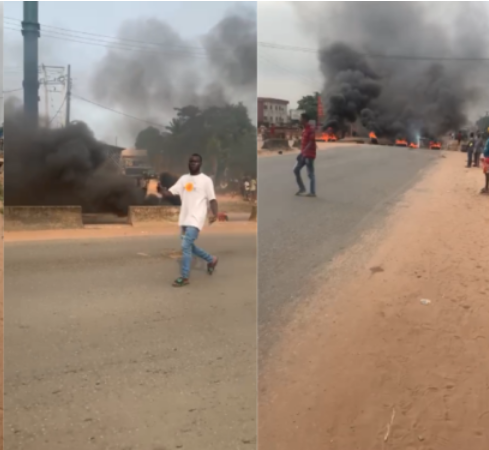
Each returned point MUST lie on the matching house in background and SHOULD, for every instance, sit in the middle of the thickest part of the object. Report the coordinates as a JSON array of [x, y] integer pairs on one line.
[[272, 111]]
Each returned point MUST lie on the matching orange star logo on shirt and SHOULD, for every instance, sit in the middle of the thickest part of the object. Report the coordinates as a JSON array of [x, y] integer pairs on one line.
[[189, 187]]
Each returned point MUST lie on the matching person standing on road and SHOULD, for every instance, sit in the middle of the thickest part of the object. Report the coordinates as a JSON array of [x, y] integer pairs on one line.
[[247, 187], [196, 191], [253, 189], [479, 147], [485, 167], [470, 150], [306, 157]]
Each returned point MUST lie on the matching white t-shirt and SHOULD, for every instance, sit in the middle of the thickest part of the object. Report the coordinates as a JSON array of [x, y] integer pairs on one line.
[[195, 191]]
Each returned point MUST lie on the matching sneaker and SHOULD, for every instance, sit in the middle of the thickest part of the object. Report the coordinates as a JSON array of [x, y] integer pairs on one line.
[[180, 282], [311, 195], [211, 267], [301, 192]]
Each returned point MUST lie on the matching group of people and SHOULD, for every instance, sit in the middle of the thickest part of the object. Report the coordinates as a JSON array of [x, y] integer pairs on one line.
[[477, 154]]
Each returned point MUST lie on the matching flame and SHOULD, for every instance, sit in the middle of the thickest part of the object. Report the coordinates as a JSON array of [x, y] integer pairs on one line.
[[372, 135], [434, 145], [328, 136], [401, 143], [413, 145]]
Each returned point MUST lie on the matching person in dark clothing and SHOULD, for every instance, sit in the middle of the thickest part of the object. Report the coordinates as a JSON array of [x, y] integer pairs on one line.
[[470, 150], [306, 157], [479, 147], [485, 167]]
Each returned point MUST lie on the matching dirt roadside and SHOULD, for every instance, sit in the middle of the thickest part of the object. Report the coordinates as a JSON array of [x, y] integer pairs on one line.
[[365, 364]]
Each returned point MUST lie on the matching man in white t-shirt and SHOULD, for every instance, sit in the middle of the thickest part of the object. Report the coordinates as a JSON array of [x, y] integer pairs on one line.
[[196, 191]]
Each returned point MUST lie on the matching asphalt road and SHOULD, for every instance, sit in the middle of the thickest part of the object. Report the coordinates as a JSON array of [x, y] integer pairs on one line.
[[297, 237], [102, 353]]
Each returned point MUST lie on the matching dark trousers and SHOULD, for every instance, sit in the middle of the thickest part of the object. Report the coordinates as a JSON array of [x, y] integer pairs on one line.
[[470, 158], [309, 163], [477, 158]]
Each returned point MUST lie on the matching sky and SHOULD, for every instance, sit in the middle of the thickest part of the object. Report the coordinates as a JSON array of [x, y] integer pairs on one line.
[[289, 74], [285, 74], [189, 19]]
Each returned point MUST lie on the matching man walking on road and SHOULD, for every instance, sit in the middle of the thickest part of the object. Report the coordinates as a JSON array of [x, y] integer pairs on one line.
[[306, 157], [196, 191]]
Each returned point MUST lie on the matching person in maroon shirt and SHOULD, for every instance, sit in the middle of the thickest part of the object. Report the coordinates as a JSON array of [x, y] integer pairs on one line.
[[306, 157]]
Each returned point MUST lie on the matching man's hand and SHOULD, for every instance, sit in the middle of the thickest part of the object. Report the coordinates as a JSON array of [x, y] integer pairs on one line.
[[212, 219], [165, 193]]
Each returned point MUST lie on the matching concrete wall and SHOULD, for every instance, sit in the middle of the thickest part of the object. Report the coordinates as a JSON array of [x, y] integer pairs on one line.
[[153, 214], [234, 206], [156, 214], [42, 217], [19, 218]]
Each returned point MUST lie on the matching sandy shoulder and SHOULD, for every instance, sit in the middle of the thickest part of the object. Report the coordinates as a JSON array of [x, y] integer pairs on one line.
[[365, 364]]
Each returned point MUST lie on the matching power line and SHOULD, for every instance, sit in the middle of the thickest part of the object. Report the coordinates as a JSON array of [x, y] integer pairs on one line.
[[105, 37], [115, 43], [129, 44], [373, 55], [12, 90], [101, 44], [308, 80], [116, 112]]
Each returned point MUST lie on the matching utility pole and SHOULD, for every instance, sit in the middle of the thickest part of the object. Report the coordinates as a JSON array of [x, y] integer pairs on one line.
[[31, 33], [68, 96]]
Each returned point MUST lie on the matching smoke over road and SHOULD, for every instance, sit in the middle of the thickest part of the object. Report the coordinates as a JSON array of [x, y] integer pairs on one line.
[[369, 78]]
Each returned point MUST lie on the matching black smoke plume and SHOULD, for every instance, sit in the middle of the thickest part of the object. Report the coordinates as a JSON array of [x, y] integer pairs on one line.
[[371, 80], [65, 166]]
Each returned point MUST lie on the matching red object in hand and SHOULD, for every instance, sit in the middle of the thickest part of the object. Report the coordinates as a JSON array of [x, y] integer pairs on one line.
[[222, 217]]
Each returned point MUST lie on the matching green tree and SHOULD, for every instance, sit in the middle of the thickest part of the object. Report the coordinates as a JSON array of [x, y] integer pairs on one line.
[[309, 104], [224, 136]]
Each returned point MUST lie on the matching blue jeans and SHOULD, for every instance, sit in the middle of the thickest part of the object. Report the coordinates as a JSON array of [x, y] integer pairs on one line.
[[189, 236], [309, 163]]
